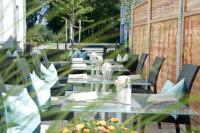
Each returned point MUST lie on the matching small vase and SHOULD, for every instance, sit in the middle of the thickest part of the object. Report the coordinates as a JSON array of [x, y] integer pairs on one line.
[[124, 95]]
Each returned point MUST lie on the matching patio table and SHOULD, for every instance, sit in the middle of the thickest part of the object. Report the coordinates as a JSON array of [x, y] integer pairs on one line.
[[98, 79], [83, 62], [92, 68], [139, 105], [90, 62], [107, 102]]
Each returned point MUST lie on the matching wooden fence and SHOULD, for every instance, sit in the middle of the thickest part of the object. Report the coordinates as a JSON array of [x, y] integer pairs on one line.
[[169, 28]]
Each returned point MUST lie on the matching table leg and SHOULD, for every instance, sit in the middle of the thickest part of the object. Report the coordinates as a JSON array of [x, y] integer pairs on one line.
[[104, 116], [92, 85], [140, 126]]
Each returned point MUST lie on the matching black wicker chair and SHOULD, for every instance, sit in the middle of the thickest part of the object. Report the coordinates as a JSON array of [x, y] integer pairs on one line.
[[36, 63], [45, 60], [54, 112], [188, 72], [141, 63], [140, 85], [134, 65]]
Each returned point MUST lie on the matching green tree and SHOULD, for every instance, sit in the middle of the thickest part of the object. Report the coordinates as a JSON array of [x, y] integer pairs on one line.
[[31, 18], [40, 33], [71, 10]]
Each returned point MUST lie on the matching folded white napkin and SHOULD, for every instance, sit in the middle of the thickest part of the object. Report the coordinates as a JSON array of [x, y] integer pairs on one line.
[[83, 96], [122, 59], [162, 98], [50, 75], [79, 76], [79, 65], [8, 53], [15, 53]]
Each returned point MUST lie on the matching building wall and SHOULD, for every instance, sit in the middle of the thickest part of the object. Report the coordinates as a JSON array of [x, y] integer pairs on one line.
[[1, 18], [21, 22], [12, 22], [8, 20]]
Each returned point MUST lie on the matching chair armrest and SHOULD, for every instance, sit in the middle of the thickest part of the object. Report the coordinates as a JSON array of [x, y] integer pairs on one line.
[[140, 82]]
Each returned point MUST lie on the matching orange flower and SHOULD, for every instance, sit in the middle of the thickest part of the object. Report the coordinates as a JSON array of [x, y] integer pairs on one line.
[[114, 120], [65, 130]]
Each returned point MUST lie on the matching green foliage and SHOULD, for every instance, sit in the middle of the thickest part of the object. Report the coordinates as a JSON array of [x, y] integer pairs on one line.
[[72, 10], [32, 4], [104, 9], [100, 19], [40, 34]]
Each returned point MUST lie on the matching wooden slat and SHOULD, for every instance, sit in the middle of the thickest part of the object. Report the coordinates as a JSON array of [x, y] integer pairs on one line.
[[139, 39], [191, 13], [140, 24], [164, 18], [140, 4], [192, 5], [163, 43], [140, 14], [162, 7]]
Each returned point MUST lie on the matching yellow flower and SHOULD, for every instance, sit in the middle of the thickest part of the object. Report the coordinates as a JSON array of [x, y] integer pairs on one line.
[[101, 123], [133, 132], [79, 127], [65, 130], [100, 128], [111, 128], [114, 120], [125, 129], [86, 130]]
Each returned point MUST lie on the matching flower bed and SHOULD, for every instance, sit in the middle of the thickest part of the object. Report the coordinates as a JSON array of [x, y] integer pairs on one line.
[[93, 126]]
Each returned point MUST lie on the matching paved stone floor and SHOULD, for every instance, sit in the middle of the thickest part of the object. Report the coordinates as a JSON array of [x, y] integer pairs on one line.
[[166, 128]]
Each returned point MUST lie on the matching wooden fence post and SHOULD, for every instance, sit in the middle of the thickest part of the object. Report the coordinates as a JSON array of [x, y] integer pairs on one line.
[[148, 43], [131, 32], [179, 47], [148, 26]]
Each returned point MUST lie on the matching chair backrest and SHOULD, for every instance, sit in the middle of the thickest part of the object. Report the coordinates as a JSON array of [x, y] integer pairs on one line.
[[45, 58], [23, 68], [25, 71], [132, 62], [37, 63], [141, 63], [2, 108], [189, 73], [153, 74]]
